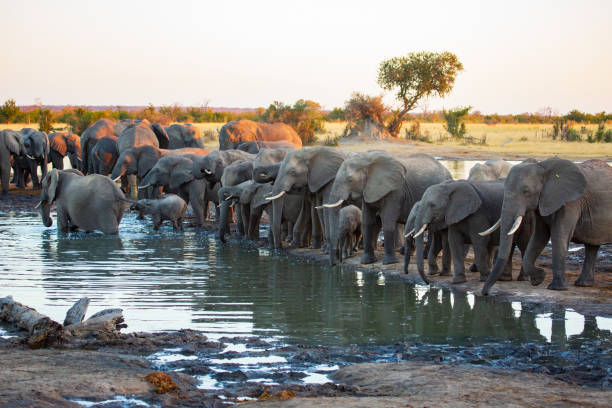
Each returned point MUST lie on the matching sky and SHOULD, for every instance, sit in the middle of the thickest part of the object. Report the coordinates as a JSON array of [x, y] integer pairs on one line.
[[519, 56]]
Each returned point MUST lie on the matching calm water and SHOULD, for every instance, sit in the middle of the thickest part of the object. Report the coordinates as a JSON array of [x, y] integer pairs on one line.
[[166, 281]]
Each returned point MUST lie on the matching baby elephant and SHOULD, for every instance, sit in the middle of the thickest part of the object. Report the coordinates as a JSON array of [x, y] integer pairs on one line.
[[171, 207], [349, 228]]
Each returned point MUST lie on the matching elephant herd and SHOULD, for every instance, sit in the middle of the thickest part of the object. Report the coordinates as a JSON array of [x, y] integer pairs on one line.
[[327, 198]]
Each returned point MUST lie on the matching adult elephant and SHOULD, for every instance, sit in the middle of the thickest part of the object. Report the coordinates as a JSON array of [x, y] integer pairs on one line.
[[99, 129], [571, 202], [234, 133], [466, 208], [10, 145], [88, 203], [211, 166], [255, 147], [36, 150], [176, 173], [233, 175], [104, 155], [389, 188], [267, 163], [492, 169], [181, 136], [62, 144], [310, 172]]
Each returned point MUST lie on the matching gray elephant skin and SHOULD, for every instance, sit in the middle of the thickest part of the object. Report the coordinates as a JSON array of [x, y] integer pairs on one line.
[[62, 144], [181, 136], [175, 172], [234, 174], [211, 166], [467, 208], [234, 133], [571, 203], [492, 169], [103, 156], [310, 172], [349, 230], [35, 150], [256, 147], [267, 163], [10, 145], [171, 207], [99, 129], [88, 203], [389, 188]]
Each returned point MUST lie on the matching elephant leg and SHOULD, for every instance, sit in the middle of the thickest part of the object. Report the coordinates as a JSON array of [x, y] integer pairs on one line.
[[587, 276], [196, 197], [316, 227], [156, 222], [434, 250], [175, 224], [124, 184], [5, 176], [34, 175], [537, 242], [482, 256], [254, 218], [455, 240], [446, 254], [368, 226], [390, 236], [63, 221], [240, 226], [561, 233], [507, 273]]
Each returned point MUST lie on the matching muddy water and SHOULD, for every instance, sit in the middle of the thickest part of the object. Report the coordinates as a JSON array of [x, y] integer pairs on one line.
[[264, 307]]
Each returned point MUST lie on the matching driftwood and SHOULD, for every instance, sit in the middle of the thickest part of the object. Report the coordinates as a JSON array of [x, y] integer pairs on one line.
[[77, 312], [45, 332], [42, 331]]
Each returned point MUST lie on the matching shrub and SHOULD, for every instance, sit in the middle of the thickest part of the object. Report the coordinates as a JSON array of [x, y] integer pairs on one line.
[[454, 123], [9, 111], [45, 120], [332, 140], [304, 117]]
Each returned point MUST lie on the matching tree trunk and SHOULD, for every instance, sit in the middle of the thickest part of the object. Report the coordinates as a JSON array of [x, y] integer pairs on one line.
[[42, 331], [77, 312]]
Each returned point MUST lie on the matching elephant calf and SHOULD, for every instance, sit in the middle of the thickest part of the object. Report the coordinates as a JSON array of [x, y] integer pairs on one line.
[[171, 207], [349, 229]]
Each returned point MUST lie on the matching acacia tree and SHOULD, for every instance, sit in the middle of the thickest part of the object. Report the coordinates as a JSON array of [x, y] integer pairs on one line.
[[415, 76]]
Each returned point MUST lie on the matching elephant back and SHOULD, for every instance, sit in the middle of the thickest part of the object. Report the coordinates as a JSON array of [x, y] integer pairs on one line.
[[236, 132], [138, 134]]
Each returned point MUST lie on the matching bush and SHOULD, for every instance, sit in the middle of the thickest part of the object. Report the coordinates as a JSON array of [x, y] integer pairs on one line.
[[454, 124], [332, 140], [45, 120], [9, 111], [304, 117]]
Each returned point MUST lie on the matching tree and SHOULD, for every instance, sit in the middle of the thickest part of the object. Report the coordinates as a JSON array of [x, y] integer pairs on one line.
[[416, 76], [45, 120], [304, 117], [9, 111], [454, 125]]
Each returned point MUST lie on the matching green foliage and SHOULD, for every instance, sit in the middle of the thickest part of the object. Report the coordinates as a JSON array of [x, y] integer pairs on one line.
[[336, 115], [304, 117], [332, 140], [361, 107], [454, 121], [414, 133], [45, 120], [415, 76], [80, 119], [9, 111]]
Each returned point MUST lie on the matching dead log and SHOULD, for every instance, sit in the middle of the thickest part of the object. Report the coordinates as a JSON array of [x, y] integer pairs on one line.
[[108, 322], [77, 312], [42, 331]]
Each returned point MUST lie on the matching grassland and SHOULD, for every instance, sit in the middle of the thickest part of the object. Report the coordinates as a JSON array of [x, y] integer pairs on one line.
[[504, 140]]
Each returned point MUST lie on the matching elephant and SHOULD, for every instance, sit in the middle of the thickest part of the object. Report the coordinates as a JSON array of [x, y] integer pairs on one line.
[[255, 147], [234, 133], [62, 144], [267, 163], [492, 169], [99, 129], [437, 241], [35, 148], [349, 230], [309, 171], [466, 208], [389, 188], [10, 145], [234, 174], [176, 172], [103, 156], [88, 203], [139, 160], [181, 136], [211, 166], [570, 202], [171, 207]]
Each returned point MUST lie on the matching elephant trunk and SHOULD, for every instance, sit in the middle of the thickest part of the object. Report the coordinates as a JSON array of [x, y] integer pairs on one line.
[[45, 210], [341, 243], [277, 216], [224, 219], [419, 244], [408, 247], [335, 246]]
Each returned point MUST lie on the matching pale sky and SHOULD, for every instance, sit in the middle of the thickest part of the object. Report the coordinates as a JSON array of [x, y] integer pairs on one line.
[[519, 56]]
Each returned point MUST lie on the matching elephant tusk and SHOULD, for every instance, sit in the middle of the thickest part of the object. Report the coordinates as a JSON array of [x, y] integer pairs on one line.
[[38, 205], [492, 229], [30, 157], [516, 225], [319, 207], [279, 195], [421, 230], [229, 197], [145, 186], [117, 179], [409, 233], [207, 172], [334, 205]]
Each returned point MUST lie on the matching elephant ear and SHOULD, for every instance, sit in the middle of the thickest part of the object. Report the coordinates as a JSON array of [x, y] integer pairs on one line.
[[247, 193], [323, 167], [162, 136], [144, 166], [463, 200], [13, 142], [384, 174], [565, 183], [259, 198], [52, 186], [46, 143], [179, 176]]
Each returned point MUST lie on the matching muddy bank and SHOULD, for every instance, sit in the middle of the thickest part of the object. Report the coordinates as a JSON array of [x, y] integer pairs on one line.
[[424, 385], [596, 300]]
